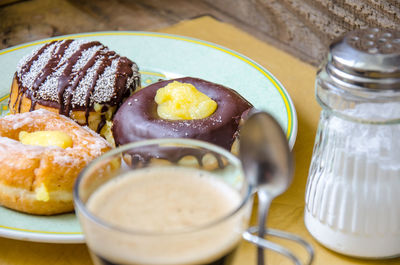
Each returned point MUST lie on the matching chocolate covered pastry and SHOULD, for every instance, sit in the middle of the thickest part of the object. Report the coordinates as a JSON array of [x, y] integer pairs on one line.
[[138, 119], [80, 79]]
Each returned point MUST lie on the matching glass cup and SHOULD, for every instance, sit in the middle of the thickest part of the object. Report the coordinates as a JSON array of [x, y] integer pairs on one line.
[[166, 201]]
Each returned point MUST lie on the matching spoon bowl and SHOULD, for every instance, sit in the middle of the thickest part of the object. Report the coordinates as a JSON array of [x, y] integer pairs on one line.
[[265, 154]]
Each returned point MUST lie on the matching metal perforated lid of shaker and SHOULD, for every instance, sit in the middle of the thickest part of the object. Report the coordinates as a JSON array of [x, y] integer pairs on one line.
[[366, 59]]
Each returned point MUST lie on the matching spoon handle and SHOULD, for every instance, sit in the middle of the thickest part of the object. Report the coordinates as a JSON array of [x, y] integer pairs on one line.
[[264, 203]]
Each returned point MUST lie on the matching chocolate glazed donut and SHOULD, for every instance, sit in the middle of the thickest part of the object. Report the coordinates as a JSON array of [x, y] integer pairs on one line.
[[137, 118]]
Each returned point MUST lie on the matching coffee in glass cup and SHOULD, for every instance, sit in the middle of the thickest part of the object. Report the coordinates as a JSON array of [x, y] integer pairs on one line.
[[136, 207]]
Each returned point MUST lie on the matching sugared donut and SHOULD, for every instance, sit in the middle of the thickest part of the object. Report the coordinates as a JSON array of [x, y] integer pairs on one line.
[[39, 179], [137, 119], [80, 79]]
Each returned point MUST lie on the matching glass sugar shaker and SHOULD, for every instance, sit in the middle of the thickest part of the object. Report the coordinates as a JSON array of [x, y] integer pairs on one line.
[[353, 187]]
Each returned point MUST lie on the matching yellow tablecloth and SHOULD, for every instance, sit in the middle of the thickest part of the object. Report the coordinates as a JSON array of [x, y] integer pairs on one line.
[[287, 210]]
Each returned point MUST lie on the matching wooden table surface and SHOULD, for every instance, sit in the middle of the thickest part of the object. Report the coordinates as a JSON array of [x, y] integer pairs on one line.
[[301, 28], [287, 210]]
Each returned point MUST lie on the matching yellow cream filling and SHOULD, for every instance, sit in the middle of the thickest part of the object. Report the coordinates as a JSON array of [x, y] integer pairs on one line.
[[182, 101], [42, 194], [46, 138]]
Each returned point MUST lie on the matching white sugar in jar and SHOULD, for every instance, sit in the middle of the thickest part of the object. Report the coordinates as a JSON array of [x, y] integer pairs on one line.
[[353, 188]]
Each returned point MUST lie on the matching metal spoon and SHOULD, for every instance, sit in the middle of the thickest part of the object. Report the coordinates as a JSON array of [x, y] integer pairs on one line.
[[267, 163]]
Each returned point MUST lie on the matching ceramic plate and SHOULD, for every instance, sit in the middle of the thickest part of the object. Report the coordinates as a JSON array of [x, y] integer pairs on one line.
[[159, 56]]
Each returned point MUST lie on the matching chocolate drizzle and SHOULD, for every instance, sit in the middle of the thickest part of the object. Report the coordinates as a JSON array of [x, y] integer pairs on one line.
[[47, 70], [65, 80], [28, 65], [104, 63], [26, 68], [58, 60]]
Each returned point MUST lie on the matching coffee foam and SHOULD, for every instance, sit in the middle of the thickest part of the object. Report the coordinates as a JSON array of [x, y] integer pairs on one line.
[[164, 202]]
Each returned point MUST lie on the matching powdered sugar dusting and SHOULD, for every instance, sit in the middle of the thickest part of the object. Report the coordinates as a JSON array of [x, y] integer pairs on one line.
[[26, 59], [102, 91], [17, 121], [72, 48], [79, 95], [85, 57], [49, 89], [10, 145], [28, 79]]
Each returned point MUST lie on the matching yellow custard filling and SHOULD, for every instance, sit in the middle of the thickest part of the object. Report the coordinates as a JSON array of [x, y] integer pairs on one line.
[[182, 101], [42, 194], [46, 138]]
